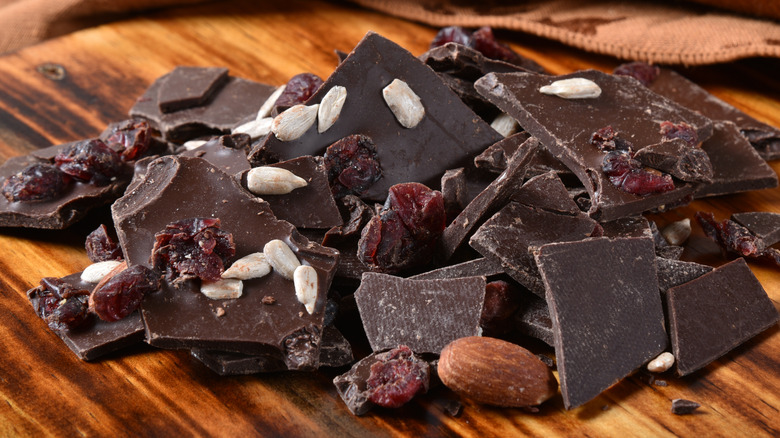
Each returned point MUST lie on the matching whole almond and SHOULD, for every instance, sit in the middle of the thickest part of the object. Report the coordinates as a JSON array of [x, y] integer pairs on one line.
[[495, 372]]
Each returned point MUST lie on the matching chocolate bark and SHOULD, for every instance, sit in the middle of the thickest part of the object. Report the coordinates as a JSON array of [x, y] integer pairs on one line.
[[677, 158], [186, 87], [711, 315], [236, 101], [673, 273], [565, 126], [225, 152], [547, 192], [70, 206], [425, 315], [510, 236], [184, 318], [483, 267], [447, 137], [763, 224], [97, 337], [606, 311], [737, 166]]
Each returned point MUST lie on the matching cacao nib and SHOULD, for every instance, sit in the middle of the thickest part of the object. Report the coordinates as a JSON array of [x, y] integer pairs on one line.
[[191, 248], [101, 247], [352, 165], [90, 161], [680, 130], [396, 377], [130, 138], [37, 182], [123, 293], [644, 73], [298, 90]]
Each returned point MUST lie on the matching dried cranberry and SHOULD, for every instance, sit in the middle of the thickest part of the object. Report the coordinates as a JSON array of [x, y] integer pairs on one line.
[[123, 293], [501, 302], [90, 160], [644, 182], [194, 247], [406, 231], [644, 73], [37, 182], [71, 313], [352, 165], [62, 305], [618, 164], [131, 138], [680, 130], [101, 247], [483, 40], [298, 90], [396, 377], [731, 236], [604, 138], [452, 34]]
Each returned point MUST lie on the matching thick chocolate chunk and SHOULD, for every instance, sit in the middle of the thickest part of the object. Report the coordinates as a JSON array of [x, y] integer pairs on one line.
[[453, 190], [481, 267], [510, 236], [186, 87], [426, 315], [184, 318], [673, 273], [447, 137], [737, 167], [533, 319], [66, 208], [565, 127], [225, 152], [96, 337], [711, 315], [546, 192], [634, 226], [236, 101], [606, 311], [679, 159], [763, 224]]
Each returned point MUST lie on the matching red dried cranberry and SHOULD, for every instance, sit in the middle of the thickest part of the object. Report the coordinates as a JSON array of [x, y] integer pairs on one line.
[[420, 208], [644, 182], [644, 73], [123, 293], [61, 305], [501, 302], [298, 90], [70, 313], [131, 138], [731, 236], [618, 164], [604, 138], [352, 165], [483, 40], [194, 247], [101, 247], [682, 131], [396, 377], [452, 34], [37, 182], [90, 160]]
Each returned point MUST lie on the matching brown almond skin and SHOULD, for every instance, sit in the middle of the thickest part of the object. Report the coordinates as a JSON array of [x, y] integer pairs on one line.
[[495, 372]]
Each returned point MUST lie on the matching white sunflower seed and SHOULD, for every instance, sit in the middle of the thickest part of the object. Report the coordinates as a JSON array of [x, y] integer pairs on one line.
[[294, 122], [96, 271], [663, 362], [224, 289], [266, 180], [306, 282], [404, 103], [281, 258], [255, 128], [678, 232], [573, 88], [254, 265], [268, 105], [505, 124], [330, 108], [193, 144]]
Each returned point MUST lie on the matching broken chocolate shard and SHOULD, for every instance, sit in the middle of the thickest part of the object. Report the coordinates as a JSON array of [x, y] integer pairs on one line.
[[547, 192], [96, 337], [681, 406], [533, 319], [447, 137], [481, 267], [737, 167], [426, 315], [184, 318], [633, 226], [763, 224], [586, 280], [677, 158], [335, 351], [711, 315], [624, 104], [187, 87], [673, 273], [225, 152], [72, 204], [453, 191]]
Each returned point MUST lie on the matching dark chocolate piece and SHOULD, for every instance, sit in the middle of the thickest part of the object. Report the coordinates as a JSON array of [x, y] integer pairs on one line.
[[70, 206], [425, 315], [186, 87], [763, 224], [225, 152], [533, 319], [606, 311], [711, 315], [510, 236], [184, 318], [356, 213], [558, 123], [634, 226], [236, 101], [680, 406], [453, 190], [547, 192], [673, 273], [97, 337], [447, 137], [336, 350], [481, 267], [490, 199], [677, 158], [764, 138], [737, 167]]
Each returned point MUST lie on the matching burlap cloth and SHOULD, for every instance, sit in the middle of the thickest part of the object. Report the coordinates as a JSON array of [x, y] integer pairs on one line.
[[662, 31]]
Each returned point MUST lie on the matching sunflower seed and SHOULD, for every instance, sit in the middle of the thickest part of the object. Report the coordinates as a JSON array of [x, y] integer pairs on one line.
[[572, 88], [266, 180], [269, 103], [224, 289], [404, 103], [281, 258], [305, 280], [96, 271], [678, 232], [330, 108], [663, 362], [248, 267], [193, 144], [294, 122], [505, 124], [255, 128]]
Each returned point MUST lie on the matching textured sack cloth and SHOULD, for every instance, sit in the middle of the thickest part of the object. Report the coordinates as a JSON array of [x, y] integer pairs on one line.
[[668, 32]]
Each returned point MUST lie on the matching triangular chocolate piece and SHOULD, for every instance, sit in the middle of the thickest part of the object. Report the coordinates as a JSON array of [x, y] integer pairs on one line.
[[764, 224], [546, 191], [186, 87]]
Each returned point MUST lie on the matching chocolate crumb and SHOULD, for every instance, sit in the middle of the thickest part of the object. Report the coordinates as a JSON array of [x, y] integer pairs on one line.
[[605, 408], [550, 362], [453, 408], [268, 300], [680, 406], [660, 383], [220, 312]]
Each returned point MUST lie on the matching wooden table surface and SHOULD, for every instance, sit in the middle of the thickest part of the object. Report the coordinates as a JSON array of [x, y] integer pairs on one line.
[[46, 390]]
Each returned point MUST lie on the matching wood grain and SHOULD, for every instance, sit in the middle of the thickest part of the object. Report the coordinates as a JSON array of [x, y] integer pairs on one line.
[[45, 390]]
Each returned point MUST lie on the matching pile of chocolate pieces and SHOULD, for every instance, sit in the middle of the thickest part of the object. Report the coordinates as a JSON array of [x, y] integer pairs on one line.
[[462, 194]]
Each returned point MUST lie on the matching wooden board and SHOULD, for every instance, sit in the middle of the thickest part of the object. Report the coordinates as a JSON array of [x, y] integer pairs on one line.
[[45, 390]]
